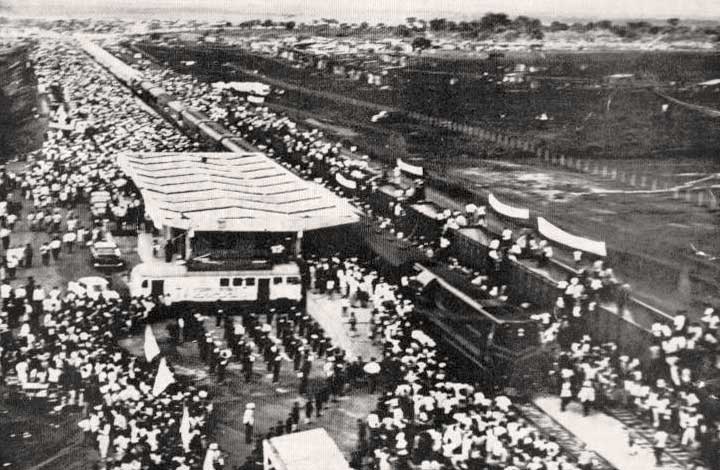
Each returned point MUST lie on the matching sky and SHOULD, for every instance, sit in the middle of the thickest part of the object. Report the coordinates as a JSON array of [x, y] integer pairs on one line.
[[389, 11]]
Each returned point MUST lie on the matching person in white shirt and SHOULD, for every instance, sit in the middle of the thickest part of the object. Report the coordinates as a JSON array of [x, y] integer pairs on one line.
[[249, 421], [659, 443], [5, 237], [69, 240], [55, 246]]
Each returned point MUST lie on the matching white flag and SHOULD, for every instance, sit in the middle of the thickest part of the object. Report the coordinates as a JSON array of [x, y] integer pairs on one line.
[[163, 378], [151, 346], [185, 433]]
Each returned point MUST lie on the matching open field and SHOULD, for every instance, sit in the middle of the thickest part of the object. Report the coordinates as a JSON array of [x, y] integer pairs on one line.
[[587, 117]]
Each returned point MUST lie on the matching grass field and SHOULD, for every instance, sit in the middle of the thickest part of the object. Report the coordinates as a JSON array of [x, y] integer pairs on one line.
[[587, 117]]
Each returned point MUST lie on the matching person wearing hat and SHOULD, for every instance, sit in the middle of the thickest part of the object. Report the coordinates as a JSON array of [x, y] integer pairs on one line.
[[659, 444], [28, 255], [222, 365], [219, 315], [247, 366], [55, 246], [249, 422], [277, 362], [586, 395]]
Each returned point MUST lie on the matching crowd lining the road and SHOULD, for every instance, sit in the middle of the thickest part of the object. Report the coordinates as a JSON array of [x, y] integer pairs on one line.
[[62, 348]]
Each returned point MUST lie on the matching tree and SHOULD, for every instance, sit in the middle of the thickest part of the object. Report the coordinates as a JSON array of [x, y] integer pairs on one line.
[[410, 20], [578, 27], [438, 24], [558, 26], [420, 43], [268, 23], [673, 22], [290, 25], [364, 25], [605, 24], [537, 34], [404, 31], [494, 22]]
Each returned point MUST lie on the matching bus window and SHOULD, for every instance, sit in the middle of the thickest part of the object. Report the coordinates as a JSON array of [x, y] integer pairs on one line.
[[237, 281], [293, 280], [277, 280], [249, 281], [224, 282], [144, 284]]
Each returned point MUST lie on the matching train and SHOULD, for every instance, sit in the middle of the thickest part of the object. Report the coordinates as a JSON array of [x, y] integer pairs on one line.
[[279, 284], [497, 338]]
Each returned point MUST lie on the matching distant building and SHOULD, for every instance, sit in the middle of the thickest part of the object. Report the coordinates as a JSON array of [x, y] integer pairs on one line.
[[514, 78], [620, 79]]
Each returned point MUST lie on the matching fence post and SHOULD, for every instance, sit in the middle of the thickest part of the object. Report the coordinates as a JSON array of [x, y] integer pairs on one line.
[[562, 160], [700, 198], [712, 200], [632, 179], [654, 185], [643, 181]]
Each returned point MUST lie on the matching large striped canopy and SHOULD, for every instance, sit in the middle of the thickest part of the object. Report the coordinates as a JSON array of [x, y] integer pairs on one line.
[[231, 192]]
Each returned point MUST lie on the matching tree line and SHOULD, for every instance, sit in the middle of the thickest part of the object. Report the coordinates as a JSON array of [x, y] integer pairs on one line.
[[497, 23]]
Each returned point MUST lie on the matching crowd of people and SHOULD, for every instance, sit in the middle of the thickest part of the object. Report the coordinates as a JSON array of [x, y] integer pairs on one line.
[[313, 156], [61, 348], [666, 388]]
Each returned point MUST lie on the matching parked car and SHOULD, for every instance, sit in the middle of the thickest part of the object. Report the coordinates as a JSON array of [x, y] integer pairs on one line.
[[93, 287], [106, 254]]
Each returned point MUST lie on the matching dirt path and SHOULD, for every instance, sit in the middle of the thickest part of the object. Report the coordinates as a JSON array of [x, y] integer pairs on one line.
[[711, 112]]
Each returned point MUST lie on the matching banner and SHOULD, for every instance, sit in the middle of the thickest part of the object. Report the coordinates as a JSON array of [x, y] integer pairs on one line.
[[558, 235], [151, 346], [163, 378], [508, 211], [344, 182], [412, 169], [185, 434]]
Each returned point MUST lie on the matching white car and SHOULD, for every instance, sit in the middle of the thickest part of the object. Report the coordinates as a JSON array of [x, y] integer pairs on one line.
[[92, 287]]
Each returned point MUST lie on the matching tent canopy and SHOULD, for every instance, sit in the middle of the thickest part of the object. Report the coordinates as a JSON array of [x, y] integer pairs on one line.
[[231, 192]]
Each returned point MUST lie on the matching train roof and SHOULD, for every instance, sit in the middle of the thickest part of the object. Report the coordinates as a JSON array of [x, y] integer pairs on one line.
[[429, 210], [161, 270], [459, 286], [231, 192]]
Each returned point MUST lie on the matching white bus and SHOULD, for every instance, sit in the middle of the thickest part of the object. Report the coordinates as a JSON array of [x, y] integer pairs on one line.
[[282, 282]]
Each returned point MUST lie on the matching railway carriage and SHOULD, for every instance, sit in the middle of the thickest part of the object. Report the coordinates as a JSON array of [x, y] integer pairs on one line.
[[500, 340], [281, 283]]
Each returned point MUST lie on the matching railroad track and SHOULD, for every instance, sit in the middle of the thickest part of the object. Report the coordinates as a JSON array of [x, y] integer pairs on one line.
[[567, 440], [677, 457]]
